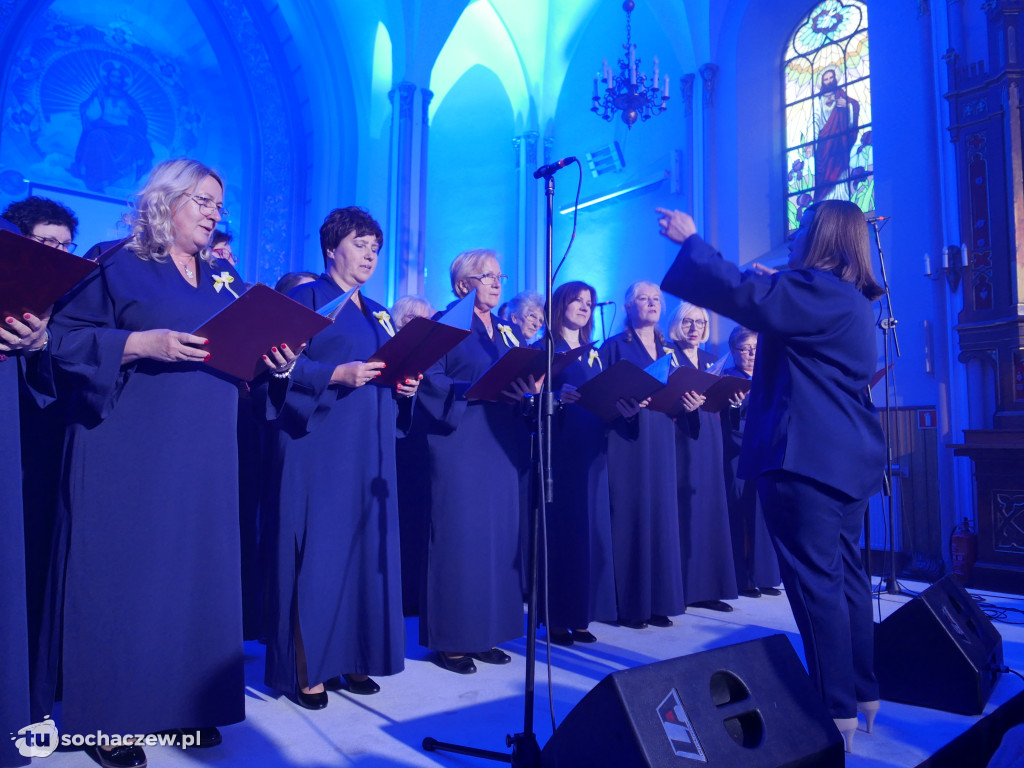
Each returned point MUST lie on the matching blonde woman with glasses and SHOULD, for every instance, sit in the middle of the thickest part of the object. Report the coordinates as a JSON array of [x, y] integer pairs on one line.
[[152, 635], [708, 574], [472, 597]]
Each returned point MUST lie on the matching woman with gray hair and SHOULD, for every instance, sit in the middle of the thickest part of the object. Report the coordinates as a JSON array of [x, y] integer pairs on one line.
[[471, 599], [526, 311], [408, 307], [642, 479], [151, 596]]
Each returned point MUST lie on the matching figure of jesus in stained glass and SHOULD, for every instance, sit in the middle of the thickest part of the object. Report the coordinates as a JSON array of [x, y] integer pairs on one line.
[[828, 109]]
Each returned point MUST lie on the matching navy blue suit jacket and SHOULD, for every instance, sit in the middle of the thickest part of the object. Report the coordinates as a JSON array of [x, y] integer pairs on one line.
[[809, 407]]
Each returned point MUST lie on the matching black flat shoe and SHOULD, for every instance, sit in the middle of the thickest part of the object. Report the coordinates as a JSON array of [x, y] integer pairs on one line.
[[124, 756], [583, 636], [713, 605], [365, 687], [311, 700], [633, 624], [462, 665], [771, 591], [754, 592], [657, 620], [560, 636], [493, 656]]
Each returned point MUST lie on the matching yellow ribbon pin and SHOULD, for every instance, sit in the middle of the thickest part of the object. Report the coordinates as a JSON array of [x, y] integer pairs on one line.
[[595, 355], [385, 320], [671, 351], [508, 335], [224, 280]]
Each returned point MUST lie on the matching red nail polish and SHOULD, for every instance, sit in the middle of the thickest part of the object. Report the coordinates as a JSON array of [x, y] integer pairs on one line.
[[207, 356], [266, 358], [9, 320], [206, 342], [383, 365], [26, 315], [284, 346], [274, 350]]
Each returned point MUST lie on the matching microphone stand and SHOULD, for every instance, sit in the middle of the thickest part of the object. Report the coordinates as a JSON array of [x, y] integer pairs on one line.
[[525, 750], [604, 334], [888, 325]]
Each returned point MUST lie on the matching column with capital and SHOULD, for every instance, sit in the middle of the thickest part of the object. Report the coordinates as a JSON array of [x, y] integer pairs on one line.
[[527, 157], [407, 189], [709, 76]]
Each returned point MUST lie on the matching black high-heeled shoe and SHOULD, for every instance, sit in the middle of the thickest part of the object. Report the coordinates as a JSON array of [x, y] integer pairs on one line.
[[311, 700], [365, 687], [460, 665]]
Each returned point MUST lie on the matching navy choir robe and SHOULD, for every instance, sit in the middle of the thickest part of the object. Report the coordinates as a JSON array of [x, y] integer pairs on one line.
[[581, 576], [332, 510], [644, 510], [30, 373], [708, 571], [149, 520], [752, 550], [472, 594], [14, 709]]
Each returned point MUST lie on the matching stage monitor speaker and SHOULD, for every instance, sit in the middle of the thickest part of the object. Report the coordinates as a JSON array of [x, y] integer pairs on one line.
[[750, 704], [939, 651]]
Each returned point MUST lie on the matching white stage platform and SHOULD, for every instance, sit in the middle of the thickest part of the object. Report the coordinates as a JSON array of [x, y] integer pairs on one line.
[[387, 729]]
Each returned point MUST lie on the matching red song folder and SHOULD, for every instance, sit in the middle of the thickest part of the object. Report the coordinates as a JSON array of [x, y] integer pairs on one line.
[[716, 389], [261, 318], [519, 363], [623, 380], [418, 345], [722, 391], [33, 275]]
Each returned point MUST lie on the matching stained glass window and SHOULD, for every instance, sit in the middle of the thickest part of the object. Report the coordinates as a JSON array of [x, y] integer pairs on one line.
[[828, 109]]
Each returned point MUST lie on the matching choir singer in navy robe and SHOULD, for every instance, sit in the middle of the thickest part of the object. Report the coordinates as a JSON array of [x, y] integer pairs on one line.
[[152, 606], [335, 614], [580, 575], [814, 364], [642, 479], [472, 598]]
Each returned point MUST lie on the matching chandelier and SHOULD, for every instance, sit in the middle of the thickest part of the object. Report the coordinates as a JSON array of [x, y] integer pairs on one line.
[[627, 91]]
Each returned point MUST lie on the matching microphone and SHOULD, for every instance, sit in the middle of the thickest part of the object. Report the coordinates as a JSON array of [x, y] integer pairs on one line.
[[603, 304], [548, 170], [875, 219]]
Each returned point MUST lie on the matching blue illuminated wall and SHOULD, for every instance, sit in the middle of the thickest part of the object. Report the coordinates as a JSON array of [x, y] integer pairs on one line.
[[94, 94], [291, 101]]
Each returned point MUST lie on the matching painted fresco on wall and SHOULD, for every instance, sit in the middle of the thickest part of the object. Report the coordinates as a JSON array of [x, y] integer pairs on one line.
[[90, 107], [828, 110]]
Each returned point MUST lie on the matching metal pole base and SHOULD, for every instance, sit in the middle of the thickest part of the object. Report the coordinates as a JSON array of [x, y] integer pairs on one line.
[[525, 750]]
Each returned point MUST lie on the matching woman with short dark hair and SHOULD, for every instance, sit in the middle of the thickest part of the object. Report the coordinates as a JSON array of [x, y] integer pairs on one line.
[[817, 354], [757, 567], [335, 608]]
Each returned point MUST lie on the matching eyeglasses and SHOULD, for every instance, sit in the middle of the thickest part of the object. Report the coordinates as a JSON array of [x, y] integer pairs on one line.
[[535, 317], [55, 243], [698, 324], [746, 350], [206, 205], [490, 278], [223, 253]]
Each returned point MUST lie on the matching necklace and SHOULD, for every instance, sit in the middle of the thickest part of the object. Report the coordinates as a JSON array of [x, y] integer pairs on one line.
[[188, 272]]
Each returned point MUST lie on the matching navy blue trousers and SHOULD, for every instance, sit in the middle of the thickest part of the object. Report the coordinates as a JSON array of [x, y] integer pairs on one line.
[[816, 531]]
